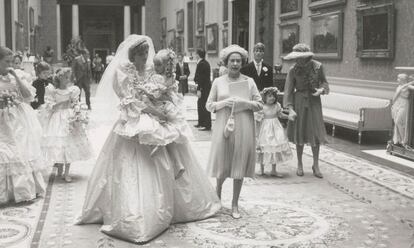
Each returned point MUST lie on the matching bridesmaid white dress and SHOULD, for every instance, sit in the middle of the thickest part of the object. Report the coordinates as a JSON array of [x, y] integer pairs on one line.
[[63, 142], [21, 162]]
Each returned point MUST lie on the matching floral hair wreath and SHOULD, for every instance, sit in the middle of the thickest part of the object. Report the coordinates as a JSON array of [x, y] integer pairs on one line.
[[269, 90], [170, 62], [60, 73]]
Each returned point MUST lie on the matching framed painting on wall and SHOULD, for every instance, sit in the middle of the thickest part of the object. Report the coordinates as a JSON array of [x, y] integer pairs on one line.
[[163, 26], [163, 41], [171, 39], [212, 38], [289, 36], [317, 4], [375, 32], [179, 44], [290, 9], [225, 38], [199, 42], [190, 26], [180, 20], [200, 16], [327, 35], [225, 10]]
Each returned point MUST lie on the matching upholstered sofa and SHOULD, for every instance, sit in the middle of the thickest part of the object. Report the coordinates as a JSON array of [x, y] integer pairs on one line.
[[359, 113]]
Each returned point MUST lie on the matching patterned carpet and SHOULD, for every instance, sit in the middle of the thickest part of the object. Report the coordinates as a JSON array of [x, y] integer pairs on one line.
[[357, 204]]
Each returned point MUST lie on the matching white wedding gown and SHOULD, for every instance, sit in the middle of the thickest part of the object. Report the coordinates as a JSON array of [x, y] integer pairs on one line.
[[135, 194]]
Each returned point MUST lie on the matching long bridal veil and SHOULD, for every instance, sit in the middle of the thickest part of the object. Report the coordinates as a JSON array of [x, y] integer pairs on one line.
[[105, 106]]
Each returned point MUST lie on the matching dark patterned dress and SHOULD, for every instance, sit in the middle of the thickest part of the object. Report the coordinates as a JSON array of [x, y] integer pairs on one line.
[[301, 82]]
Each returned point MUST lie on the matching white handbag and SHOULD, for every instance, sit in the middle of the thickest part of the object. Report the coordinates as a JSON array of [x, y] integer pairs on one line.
[[229, 128]]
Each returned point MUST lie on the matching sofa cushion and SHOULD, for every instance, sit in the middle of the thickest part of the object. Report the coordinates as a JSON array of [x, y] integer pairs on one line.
[[337, 116], [351, 103]]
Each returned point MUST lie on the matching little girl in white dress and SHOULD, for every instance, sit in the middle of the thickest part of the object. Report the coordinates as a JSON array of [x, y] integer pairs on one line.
[[64, 138], [273, 144]]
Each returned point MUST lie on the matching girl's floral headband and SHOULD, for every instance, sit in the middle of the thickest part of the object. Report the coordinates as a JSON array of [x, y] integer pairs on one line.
[[170, 62], [272, 90]]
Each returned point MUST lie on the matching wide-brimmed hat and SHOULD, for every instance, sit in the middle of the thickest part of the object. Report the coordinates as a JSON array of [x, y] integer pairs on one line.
[[300, 50]]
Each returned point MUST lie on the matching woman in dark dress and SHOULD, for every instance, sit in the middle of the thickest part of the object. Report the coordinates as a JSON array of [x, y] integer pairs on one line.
[[305, 83]]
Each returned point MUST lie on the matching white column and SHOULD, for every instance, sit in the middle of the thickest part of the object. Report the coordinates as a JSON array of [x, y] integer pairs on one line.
[[2, 24], [58, 34], [127, 20], [252, 28], [28, 30], [15, 16], [230, 23], [75, 20], [143, 19]]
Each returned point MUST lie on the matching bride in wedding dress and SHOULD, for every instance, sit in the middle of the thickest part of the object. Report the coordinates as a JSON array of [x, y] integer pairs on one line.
[[132, 193]]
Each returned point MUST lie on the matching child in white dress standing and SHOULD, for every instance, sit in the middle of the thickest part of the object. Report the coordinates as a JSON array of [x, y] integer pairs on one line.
[[272, 142], [64, 139]]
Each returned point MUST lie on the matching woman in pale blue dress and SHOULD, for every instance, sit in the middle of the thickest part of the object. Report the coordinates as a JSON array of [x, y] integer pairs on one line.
[[233, 156], [131, 191]]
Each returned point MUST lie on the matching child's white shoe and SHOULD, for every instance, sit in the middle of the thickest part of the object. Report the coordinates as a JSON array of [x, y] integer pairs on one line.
[[67, 179]]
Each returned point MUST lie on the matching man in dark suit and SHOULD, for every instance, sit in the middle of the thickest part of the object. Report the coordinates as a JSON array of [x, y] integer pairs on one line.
[[202, 79], [182, 71], [261, 72], [82, 74]]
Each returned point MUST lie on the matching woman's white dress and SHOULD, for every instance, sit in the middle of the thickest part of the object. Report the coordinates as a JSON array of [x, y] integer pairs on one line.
[[21, 162], [133, 193]]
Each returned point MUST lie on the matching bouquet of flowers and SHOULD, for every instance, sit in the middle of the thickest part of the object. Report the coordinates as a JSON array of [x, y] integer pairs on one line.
[[8, 99], [154, 88], [170, 67], [79, 115]]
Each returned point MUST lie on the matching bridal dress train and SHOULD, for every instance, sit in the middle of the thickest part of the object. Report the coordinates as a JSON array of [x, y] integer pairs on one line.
[[130, 191], [134, 194]]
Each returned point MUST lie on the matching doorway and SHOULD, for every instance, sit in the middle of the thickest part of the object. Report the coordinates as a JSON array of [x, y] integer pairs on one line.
[[101, 28], [240, 33], [8, 24]]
